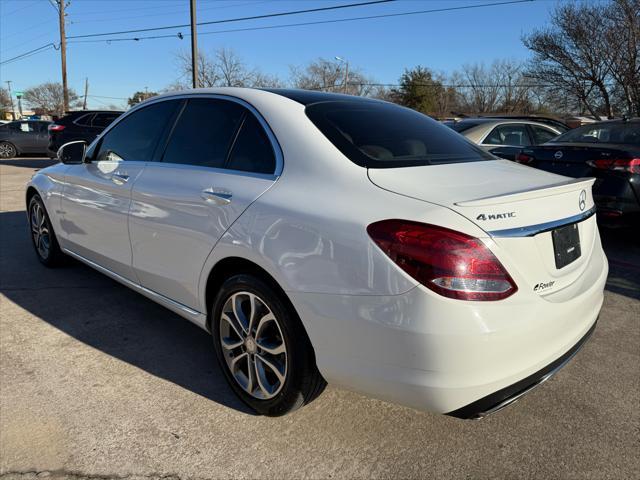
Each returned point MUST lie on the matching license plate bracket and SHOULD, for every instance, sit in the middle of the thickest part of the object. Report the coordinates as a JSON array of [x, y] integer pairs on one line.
[[566, 245]]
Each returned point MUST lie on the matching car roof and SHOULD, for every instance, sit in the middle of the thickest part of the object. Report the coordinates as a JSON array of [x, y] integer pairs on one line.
[[308, 97]]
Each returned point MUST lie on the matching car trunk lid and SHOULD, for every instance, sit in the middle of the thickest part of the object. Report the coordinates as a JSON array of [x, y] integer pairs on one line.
[[519, 208]]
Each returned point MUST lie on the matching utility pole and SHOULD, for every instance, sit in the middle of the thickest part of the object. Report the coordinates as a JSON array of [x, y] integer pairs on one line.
[[346, 73], [63, 55], [194, 45], [13, 109], [86, 91]]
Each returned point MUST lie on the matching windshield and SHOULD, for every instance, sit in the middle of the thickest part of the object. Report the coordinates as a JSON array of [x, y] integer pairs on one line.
[[625, 133], [382, 135]]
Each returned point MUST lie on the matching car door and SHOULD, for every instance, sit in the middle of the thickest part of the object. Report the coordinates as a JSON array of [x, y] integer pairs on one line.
[[41, 140], [220, 157], [507, 139], [97, 194], [24, 136]]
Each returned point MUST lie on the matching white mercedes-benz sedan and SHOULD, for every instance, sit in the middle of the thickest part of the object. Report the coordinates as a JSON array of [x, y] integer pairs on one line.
[[327, 237]]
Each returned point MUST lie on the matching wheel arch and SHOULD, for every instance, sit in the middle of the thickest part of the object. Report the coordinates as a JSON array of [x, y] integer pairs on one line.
[[229, 266], [31, 191]]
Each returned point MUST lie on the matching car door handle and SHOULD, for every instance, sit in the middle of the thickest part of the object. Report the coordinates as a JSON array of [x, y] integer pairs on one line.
[[219, 197], [119, 178]]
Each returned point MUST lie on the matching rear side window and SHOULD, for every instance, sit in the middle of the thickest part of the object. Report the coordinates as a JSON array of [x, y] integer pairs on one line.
[[103, 120], [623, 133], [252, 151], [135, 137], [204, 132], [542, 135], [382, 135], [84, 120], [515, 135]]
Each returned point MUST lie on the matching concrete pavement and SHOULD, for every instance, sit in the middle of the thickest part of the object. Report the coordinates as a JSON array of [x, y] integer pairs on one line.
[[99, 382]]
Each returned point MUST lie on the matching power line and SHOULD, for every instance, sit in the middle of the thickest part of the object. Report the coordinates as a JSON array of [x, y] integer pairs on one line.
[[240, 19], [180, 35], [31, 52]]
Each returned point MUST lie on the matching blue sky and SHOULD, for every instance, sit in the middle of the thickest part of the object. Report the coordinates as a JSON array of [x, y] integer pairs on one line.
[[381, 48]]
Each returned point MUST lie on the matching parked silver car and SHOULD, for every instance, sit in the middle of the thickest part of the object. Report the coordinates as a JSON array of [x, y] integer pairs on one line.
[[504, 137]]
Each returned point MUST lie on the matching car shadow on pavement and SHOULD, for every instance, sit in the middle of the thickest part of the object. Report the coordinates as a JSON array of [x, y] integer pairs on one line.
[[26, 162], [622, 247], [109, 317]]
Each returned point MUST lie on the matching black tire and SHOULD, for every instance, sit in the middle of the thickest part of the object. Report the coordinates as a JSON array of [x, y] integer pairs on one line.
[[302, 380], [7, 150], [51, 256]]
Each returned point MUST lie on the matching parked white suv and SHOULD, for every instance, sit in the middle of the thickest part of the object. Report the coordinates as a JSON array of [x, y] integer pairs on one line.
[[321, 236]]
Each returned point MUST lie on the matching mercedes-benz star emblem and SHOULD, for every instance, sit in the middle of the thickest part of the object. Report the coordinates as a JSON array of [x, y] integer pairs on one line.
[[582, 200], [558, 155]]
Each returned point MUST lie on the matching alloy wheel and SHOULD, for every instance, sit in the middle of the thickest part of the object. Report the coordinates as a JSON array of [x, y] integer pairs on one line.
[[40, 230], [253, 345], [7, 150]]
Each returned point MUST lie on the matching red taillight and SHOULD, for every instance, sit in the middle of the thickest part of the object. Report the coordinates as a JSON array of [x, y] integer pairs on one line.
[[450, 263], [55, 128], [631, 165], [524, 158]]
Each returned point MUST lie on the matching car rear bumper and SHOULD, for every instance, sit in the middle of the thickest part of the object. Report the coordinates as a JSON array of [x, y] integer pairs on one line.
[[447, 356], [508, 395]]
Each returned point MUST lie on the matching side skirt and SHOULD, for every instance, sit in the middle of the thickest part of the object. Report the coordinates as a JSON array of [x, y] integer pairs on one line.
[[193, 316]]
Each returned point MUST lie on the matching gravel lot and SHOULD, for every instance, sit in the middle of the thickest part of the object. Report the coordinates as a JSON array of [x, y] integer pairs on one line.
[[99, 382]]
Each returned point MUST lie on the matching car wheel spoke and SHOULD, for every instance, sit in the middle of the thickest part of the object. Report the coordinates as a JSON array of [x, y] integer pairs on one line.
[[253, 345], [271, 366]]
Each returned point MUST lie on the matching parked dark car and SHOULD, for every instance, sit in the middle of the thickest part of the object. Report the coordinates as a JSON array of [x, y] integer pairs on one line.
[[23, 136], [83, 125], [608, 151]]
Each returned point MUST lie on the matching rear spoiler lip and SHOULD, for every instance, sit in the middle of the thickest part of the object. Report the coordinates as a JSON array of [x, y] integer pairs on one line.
[[545, 191], [531, 230]]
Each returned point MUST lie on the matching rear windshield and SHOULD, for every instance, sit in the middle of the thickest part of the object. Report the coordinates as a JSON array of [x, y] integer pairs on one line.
[[382, 135], [462, 126], [624, 133]]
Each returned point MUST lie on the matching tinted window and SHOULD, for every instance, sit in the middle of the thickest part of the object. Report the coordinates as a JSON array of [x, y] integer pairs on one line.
[[382, 135], [84, 120], [513, 134], [104, 119], [252, 151], [625, 133], [135, 137], [463, 126], [542, 135], [204, 132]]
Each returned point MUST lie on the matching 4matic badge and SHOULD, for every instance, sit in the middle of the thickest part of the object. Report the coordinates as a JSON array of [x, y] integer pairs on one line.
[[495, 216]]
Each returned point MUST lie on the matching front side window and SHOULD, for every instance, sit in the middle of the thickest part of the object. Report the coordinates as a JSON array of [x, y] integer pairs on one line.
[[376, 134], [252, 151], [513, 135], [204, 132], [135, 137]]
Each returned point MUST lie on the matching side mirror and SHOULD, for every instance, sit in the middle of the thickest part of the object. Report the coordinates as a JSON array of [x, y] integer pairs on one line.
[[72, 153]]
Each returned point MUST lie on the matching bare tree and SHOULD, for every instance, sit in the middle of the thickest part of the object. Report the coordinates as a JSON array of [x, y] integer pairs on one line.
[[5, 100], [49, 97], [223, 69], [329, 76], [623, 52], [570, 54]]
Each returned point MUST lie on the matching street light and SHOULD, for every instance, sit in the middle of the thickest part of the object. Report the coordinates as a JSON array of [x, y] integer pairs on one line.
[[346, 72]]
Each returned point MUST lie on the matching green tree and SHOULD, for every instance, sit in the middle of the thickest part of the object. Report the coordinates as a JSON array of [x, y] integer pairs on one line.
[[423, 90], [140, 97]]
